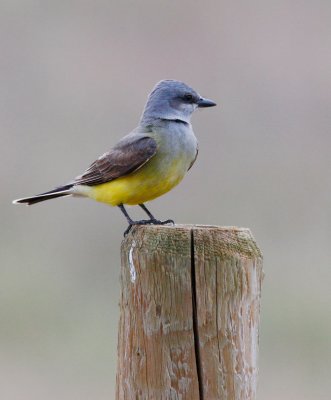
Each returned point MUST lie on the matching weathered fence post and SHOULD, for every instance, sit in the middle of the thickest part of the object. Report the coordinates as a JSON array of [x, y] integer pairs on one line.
[[190, 307]]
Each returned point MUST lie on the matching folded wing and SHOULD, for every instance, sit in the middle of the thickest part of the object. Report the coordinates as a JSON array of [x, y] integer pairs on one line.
[[130, 154]]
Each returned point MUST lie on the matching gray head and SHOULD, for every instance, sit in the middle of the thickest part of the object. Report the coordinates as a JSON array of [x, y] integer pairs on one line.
[[173, 100]]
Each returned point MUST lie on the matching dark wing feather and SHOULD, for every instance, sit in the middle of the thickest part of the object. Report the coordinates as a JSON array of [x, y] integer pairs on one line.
[[127, 156], [196, 155]]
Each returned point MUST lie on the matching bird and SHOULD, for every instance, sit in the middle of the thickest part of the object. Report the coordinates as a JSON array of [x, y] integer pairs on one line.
[[146, 163]]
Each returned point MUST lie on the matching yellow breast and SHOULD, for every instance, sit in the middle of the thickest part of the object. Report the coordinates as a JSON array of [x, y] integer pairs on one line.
[[146, 184]]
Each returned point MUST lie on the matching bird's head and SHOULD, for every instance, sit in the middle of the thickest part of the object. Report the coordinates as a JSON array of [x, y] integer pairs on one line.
[[173, 100]]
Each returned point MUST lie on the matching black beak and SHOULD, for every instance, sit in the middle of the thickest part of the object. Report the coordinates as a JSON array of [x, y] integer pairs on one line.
[[205, 103]]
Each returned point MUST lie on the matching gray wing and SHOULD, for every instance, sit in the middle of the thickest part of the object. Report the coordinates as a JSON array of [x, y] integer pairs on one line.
[[130, 154]]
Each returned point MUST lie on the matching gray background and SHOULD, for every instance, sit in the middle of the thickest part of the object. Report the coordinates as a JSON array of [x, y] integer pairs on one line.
[[74, 76]]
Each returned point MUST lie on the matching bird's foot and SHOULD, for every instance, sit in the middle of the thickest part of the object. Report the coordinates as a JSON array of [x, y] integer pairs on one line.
[[151, 221], [154, 221]]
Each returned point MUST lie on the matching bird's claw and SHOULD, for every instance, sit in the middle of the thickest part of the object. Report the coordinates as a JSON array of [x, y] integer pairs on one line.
[[168, 221], [147, 222]]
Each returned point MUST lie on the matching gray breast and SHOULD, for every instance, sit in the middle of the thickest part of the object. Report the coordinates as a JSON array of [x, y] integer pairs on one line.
[[178, 139]]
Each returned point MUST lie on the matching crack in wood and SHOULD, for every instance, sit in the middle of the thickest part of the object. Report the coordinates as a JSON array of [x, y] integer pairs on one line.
[[195, 321]]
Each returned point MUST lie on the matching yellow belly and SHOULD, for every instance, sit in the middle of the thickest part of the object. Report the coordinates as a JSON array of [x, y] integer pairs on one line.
[[143, 185]]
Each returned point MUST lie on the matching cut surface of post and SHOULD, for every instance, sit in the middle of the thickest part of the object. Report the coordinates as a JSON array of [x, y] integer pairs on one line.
[[189, 314]]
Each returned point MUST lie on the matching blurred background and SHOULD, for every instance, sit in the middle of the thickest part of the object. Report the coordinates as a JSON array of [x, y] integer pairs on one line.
[[74, 77]]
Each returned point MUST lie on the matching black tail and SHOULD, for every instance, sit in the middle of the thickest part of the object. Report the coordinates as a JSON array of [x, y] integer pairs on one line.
[[52, 194]]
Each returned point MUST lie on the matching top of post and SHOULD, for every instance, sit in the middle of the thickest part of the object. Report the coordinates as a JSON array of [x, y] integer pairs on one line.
[[226, 240]]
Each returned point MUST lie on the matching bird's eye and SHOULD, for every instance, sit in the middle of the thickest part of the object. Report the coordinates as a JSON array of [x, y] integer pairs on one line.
[[188, 97]]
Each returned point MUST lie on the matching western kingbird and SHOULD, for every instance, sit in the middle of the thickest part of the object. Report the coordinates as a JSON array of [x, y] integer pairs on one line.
[[146, 163]]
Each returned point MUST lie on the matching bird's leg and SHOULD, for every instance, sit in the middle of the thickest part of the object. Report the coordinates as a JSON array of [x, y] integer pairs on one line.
[[153, 220], [130, 221], [127, 216], [151, 216]]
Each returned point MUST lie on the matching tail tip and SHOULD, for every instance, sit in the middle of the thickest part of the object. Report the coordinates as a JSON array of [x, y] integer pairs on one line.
[[20, 201]]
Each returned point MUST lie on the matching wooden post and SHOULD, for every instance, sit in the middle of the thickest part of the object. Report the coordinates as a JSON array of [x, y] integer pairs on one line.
[[190, 307]]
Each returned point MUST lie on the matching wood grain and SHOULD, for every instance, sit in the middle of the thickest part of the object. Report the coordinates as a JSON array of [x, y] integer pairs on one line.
[[189, 314], [228, 269]]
